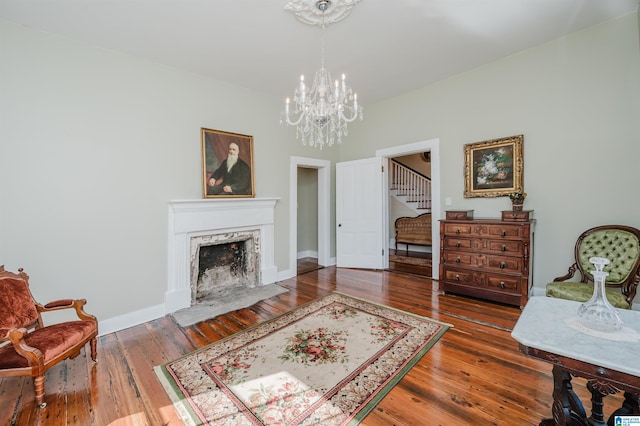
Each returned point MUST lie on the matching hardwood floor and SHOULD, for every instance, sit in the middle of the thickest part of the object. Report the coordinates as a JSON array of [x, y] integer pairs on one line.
[[307, 264], [405, 261], [474, 375]]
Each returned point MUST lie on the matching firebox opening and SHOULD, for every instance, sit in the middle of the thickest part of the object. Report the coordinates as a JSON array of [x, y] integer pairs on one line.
[[223, 268]]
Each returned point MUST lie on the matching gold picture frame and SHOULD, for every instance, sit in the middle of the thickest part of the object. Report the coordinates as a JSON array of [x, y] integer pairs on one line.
[[218, 179], [494, 168]]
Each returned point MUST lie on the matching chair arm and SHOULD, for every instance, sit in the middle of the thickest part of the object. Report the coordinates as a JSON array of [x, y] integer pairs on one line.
[[77, 304], [569, 274], [60, 304], [33, 355], [630, 287]]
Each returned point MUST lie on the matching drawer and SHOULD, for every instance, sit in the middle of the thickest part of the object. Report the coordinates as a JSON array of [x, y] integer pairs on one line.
[[502, 246], [507, 247], [507, 231], [459, 258], [463, 277], [459, 214], [505, 263], [516, 216], [499, 230], [503, 282], [452, 243], [459, 229]]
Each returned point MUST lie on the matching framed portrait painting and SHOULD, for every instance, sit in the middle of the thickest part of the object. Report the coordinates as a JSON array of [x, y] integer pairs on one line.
[[494, 168], [227, 164]]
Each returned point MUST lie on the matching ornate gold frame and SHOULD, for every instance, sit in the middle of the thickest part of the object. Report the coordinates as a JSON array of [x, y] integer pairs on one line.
[[494, 168], [215, 145]]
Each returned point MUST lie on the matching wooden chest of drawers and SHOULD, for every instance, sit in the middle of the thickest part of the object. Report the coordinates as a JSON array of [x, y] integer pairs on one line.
[[487, 258]]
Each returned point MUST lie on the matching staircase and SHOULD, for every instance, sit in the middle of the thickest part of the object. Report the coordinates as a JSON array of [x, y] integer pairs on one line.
[[411, 188]]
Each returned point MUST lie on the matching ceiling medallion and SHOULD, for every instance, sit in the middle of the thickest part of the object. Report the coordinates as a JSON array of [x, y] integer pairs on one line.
[[322, 12]]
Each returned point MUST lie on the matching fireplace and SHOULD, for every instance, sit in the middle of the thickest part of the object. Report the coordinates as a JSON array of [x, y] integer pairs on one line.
[[195, 226], [222, 263]]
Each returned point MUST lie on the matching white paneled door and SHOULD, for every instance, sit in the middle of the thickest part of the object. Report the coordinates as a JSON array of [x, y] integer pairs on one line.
[[359, 232]]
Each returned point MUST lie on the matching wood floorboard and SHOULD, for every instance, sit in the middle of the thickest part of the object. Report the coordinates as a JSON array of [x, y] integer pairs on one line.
[[474, 375], [307, 264]]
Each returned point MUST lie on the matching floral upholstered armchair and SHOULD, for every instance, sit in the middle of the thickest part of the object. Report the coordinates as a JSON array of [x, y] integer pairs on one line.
[[618, 243], [27, 346]]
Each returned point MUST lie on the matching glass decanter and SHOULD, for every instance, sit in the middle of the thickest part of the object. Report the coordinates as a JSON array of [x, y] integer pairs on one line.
[[597, 313]]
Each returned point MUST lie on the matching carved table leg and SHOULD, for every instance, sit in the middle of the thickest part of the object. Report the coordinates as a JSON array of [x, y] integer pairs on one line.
[[597, 416], [630, 407], [567, 408]]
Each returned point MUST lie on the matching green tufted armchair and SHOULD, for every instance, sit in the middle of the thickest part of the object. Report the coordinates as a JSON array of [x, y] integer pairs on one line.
[[618, 243]]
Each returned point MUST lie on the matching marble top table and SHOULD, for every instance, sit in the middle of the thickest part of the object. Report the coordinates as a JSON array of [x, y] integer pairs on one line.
[[542, 326], [609, 361]]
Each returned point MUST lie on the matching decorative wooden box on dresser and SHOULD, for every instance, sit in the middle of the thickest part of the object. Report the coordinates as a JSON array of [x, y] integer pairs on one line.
[[487, 258]]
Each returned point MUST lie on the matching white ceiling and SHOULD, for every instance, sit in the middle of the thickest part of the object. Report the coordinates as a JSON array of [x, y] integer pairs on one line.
[[386, 47]]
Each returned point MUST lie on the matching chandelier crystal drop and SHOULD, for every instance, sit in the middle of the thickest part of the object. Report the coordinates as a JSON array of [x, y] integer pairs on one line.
[[321, 112]]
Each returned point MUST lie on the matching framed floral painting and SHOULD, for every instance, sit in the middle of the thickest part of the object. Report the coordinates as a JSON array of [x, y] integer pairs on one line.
[[494, 168]]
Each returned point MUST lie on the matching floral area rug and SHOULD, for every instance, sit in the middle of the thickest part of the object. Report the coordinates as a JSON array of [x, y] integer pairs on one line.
[[328, 362]]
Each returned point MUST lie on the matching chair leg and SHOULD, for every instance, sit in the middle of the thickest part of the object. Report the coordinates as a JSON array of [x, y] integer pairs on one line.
[[94, 351], [38, 384]]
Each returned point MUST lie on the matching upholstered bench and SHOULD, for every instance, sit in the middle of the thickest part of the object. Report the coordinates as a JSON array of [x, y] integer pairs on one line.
[[413, 230]]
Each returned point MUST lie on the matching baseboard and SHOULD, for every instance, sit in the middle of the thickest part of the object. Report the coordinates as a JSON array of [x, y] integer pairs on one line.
[[286, 274], [173, 301], [111, 325], [308, 253]]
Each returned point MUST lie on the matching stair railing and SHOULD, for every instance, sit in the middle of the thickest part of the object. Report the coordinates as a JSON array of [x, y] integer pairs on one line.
[[411, 184]]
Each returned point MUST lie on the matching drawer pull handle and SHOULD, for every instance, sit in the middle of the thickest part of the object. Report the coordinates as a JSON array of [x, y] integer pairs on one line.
[[601, 371], [501, 284], [457, 277], [502, 265], [458, 244], [504, 248], [458, 231], [458, 259], [504, 233]]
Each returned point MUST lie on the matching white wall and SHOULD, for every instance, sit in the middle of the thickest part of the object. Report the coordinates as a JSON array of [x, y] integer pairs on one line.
[[93, 146], [577, 102]]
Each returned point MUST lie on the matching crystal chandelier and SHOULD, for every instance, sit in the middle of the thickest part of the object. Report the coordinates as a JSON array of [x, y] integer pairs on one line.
[[322, 111]]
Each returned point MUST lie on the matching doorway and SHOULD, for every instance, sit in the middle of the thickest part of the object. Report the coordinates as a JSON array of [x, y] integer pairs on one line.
[[433, 147], [299, 166]]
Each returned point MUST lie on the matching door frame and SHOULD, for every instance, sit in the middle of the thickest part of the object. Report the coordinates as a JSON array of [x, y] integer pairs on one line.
[[433, 146], [324, 209]]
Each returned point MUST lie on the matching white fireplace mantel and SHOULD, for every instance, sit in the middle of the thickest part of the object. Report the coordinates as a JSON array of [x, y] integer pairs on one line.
[[193, 218]]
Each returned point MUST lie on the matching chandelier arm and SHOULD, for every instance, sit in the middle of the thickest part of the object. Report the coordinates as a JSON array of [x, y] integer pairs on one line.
[[349, 119], [293, 122]]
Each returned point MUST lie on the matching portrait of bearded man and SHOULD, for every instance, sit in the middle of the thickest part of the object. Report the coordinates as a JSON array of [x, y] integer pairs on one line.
[[233, 177]]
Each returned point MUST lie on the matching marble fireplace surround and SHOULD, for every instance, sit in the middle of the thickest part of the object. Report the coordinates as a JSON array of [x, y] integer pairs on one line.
[[196, 218]]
